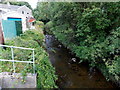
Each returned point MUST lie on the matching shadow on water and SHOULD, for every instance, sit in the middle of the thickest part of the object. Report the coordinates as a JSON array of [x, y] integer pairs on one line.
[[72, 74]]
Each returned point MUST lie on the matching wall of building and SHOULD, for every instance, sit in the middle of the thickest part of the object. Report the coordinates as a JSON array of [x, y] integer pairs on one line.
[[16, 15], [25, 11]]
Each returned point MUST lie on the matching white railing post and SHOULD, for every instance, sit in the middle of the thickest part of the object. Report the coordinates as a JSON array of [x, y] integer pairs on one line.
[[33, 62], [13, 59]]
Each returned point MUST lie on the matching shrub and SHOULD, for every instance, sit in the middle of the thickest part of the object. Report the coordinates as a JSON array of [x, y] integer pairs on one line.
[[90, 30], [32, 39]]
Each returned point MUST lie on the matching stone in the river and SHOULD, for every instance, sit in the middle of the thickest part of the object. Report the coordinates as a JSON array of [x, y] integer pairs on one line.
[[59, 46], [74, 59]]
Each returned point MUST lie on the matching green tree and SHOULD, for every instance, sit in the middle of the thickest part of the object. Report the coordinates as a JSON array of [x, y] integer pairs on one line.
[[90, 30]]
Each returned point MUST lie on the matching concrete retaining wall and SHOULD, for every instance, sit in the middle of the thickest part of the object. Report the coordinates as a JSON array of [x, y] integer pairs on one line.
[[16, 81]]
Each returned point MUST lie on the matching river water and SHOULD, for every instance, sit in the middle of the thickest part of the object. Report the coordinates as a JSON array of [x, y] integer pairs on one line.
[[72, 74]]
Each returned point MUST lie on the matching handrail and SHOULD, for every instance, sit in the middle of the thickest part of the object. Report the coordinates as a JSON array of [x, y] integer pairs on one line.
[[16, 61], [12, 51], [16, 47]]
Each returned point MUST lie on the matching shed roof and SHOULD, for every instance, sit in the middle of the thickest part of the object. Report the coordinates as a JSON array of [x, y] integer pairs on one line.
[[11, 7]]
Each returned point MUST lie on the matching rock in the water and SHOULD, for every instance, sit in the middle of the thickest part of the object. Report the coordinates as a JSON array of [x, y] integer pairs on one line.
[[74, 59], [59, 46]]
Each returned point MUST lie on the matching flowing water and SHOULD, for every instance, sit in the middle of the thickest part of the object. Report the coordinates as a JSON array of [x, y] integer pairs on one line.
[[72, 74]]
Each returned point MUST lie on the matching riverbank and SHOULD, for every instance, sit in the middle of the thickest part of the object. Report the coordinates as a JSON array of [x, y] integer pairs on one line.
[[30, 39]]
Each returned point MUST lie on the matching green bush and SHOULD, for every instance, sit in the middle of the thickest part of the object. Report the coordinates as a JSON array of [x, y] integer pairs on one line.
[[31, 39], [47, 27], [39, 25], [90, 30]]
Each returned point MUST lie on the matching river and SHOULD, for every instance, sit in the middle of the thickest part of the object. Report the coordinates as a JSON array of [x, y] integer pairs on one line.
[[72, 74]]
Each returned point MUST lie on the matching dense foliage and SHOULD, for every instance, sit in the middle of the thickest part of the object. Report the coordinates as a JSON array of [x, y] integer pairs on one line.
[[30, 39], [90, 30]]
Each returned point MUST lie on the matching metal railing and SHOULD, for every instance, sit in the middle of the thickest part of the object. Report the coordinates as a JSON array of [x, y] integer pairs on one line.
[[12, 52]]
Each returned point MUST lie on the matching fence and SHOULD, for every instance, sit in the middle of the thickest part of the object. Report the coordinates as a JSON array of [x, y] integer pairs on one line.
[[12, 52]]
